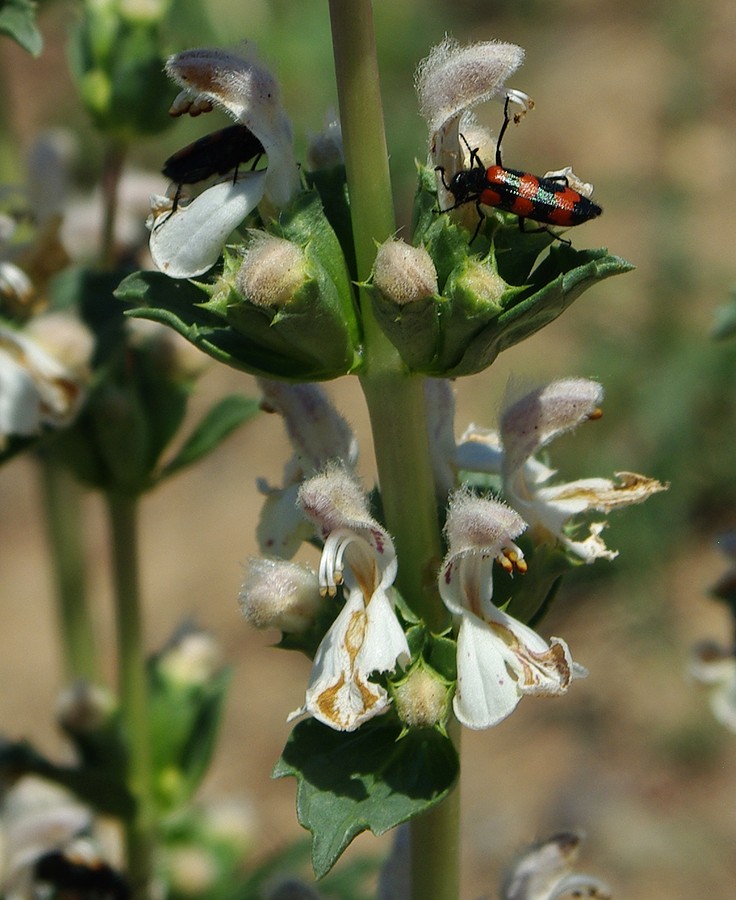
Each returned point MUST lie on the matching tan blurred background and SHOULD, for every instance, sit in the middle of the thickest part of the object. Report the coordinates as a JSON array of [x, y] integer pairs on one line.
[[640, 99]]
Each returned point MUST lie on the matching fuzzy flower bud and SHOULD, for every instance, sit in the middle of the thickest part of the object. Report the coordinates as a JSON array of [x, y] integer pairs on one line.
[[280, 594], [273, 272], [404, 274], [325, 150], [84, 707], [422, 697]]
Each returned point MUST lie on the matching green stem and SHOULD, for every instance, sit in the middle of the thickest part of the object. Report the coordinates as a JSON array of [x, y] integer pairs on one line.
[[434, 874], [62, 498], [112, 171], [133, 687], [396, 401]]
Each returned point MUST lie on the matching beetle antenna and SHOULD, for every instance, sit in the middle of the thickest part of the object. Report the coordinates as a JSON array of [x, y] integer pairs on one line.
[[502, 132]]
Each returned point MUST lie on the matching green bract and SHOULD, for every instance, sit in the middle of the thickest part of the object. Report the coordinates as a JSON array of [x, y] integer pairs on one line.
[[314, 337]]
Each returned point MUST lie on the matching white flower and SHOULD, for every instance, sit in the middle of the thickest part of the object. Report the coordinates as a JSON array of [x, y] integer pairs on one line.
[[544, 872], [715, 666], [498, 658], [366, 636], [188, 242], [527, 426], [36, 389], [318, 434], [249, 93], [450, 82], [36, 817]]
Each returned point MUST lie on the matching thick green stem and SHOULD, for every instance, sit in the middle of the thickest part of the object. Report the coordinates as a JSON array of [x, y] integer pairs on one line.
[[396, 400], [62, 498], [132, 687]]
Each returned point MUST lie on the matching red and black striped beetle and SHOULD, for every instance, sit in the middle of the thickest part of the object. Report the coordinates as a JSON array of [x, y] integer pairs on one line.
[[549, 200]]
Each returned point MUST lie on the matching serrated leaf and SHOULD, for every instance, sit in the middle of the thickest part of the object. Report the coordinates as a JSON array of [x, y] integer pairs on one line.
[[219, 423], [18, 21], [365, 780]]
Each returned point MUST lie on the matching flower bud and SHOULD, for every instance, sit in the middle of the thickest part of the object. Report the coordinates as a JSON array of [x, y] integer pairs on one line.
[[422, 697], [404, 274], [405, 301], [280, 594], [85, 708], [65, 338], [273, 273], [192, 657], [325, 150]]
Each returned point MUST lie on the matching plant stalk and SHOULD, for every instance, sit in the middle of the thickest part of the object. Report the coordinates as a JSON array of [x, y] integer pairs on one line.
[[396, 400], [132, 687], [62, 498]]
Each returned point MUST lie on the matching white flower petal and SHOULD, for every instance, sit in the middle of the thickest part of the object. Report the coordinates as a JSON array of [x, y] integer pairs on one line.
[[189, 241], [281, 528], [486, 691], [339, 694], [385, 643], [35, 389]]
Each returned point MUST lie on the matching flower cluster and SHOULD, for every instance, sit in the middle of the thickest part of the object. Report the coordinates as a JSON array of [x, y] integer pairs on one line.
[[499, 658], [284, 307]]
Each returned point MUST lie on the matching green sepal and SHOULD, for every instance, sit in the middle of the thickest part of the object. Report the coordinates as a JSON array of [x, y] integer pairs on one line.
[[98, 786], [18, 21], [331, 185], [413, 328], [184, 720], [218, 423], [554, 285], [365, 780], [304, 222]]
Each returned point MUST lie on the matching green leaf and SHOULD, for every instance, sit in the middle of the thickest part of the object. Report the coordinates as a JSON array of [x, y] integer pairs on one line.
[[218, 424], [365, 780], [18, 21], [178, 304]]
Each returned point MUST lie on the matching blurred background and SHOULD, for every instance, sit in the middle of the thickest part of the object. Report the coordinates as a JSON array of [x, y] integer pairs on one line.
[[641, 100]]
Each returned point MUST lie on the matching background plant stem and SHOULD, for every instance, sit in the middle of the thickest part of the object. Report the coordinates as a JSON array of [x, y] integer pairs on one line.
[[396, 400], [62, 497], [132, 686]]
